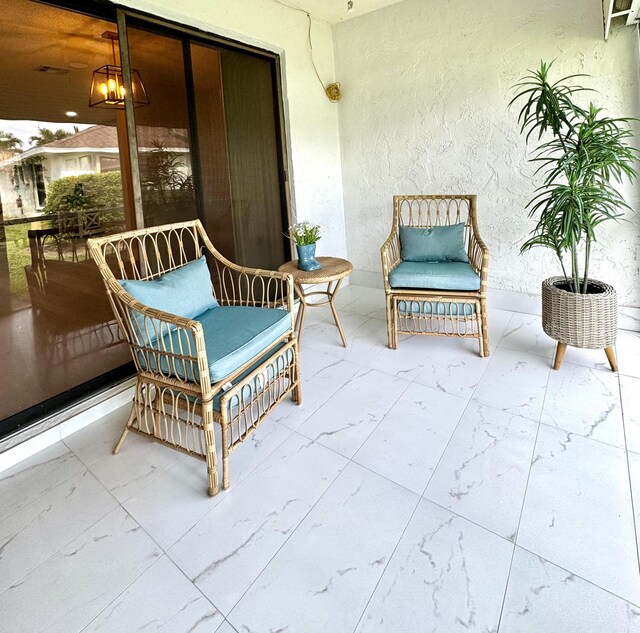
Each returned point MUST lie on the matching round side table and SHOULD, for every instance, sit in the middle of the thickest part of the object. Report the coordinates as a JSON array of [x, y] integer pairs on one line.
[[333, 271]]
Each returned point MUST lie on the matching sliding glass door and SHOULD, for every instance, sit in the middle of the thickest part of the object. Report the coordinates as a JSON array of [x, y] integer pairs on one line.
[[60, 183], [208, 144], [254, 163], [165, 153], [213, 149]]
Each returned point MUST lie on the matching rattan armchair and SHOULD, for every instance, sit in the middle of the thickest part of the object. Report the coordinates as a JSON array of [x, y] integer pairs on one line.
[[176, 402], [433, 311]]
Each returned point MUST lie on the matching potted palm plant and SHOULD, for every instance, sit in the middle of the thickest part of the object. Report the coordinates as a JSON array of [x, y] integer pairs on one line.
[[582, 155]]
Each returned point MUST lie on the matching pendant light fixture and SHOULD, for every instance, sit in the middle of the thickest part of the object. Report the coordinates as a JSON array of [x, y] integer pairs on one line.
[[107, 84]]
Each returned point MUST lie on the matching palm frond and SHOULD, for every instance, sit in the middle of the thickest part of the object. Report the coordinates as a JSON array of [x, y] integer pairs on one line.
[[583, 155]]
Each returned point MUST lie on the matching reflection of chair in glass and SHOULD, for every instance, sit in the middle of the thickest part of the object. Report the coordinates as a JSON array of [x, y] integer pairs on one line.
[[231, 363], [440, 290], [60, 277], [72, 319]]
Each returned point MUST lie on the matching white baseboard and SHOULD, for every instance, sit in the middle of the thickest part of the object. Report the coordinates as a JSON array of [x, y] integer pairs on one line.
[[366, 278], [87, 413], [628, 316]]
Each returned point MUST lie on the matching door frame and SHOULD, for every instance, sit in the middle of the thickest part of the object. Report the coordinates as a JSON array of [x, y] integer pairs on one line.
[[162, 26]]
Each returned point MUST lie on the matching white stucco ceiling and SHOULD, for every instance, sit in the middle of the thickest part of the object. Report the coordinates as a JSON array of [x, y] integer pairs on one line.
[[336, 10]]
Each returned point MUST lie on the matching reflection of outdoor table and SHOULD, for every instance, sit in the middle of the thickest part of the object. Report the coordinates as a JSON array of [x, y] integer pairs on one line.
[[333, 271], [70, 235]]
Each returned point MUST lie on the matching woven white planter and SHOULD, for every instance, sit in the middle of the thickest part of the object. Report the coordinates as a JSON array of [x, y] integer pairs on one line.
[[589, 321]]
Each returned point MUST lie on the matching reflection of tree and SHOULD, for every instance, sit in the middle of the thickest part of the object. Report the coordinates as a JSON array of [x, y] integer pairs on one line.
[[30, 161], [45, 135], [104, 190], [84, 205], [163, 176], [26, 166], [167, 189], [77, 201], [9, 142]]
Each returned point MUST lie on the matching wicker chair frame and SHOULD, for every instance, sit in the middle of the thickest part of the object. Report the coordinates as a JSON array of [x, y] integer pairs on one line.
[[406, 308], [175, 402]]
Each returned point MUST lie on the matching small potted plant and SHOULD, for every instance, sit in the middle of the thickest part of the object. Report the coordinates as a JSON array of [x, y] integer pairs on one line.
[[305, 235], [582, 155]]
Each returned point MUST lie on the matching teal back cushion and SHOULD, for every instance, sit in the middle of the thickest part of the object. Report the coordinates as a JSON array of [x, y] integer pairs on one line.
[[435, 244], [185, 291]]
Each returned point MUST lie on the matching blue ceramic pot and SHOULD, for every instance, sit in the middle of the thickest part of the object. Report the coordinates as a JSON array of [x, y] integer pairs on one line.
[[307, 257]]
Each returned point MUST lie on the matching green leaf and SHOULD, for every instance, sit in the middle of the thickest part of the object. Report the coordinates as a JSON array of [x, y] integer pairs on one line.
[[584, 153]]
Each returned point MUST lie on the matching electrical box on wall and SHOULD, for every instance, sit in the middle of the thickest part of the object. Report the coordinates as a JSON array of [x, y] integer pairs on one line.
[[614, 9]]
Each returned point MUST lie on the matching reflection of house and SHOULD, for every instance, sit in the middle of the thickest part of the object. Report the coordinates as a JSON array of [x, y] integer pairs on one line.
[[89, 151]]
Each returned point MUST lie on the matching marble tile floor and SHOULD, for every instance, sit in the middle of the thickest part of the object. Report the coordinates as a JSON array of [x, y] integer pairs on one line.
[[421, 490]]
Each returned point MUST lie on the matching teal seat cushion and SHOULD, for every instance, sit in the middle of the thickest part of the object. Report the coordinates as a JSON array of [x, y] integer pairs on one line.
[[258, 386], [440, 276], [185, 291], [233, 336], [236, 334], [434, 244]]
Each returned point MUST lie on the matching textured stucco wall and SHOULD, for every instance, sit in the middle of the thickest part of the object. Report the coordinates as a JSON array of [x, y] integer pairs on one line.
[[312, 120], [425, 91]]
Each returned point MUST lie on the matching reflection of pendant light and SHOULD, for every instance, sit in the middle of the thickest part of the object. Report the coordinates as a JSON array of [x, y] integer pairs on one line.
[[107, 84]]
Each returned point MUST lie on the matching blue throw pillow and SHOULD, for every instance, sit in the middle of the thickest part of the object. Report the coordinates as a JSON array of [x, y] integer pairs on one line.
[[435, 244], [184, 292]]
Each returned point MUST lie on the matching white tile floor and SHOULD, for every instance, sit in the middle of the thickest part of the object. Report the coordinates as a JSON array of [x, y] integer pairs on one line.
[[418, 490]]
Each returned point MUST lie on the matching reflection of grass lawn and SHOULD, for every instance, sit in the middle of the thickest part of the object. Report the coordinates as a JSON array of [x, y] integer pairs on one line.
[[19, 253], [19, 256]]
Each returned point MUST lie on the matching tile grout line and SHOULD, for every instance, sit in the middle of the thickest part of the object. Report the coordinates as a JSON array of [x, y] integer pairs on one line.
[[89, 527], [390, 558], [65, 480], [626, 451], [349, 460], [246, 476], [153, 540], [157, 472], [339, 360], [133, 581], [421, 498], [160, 547], [580, 435], [524, 499], [253, 582], [582, 578], [119, 506]]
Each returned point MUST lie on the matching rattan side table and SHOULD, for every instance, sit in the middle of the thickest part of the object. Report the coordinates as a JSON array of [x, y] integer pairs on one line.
[[333, 271]]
